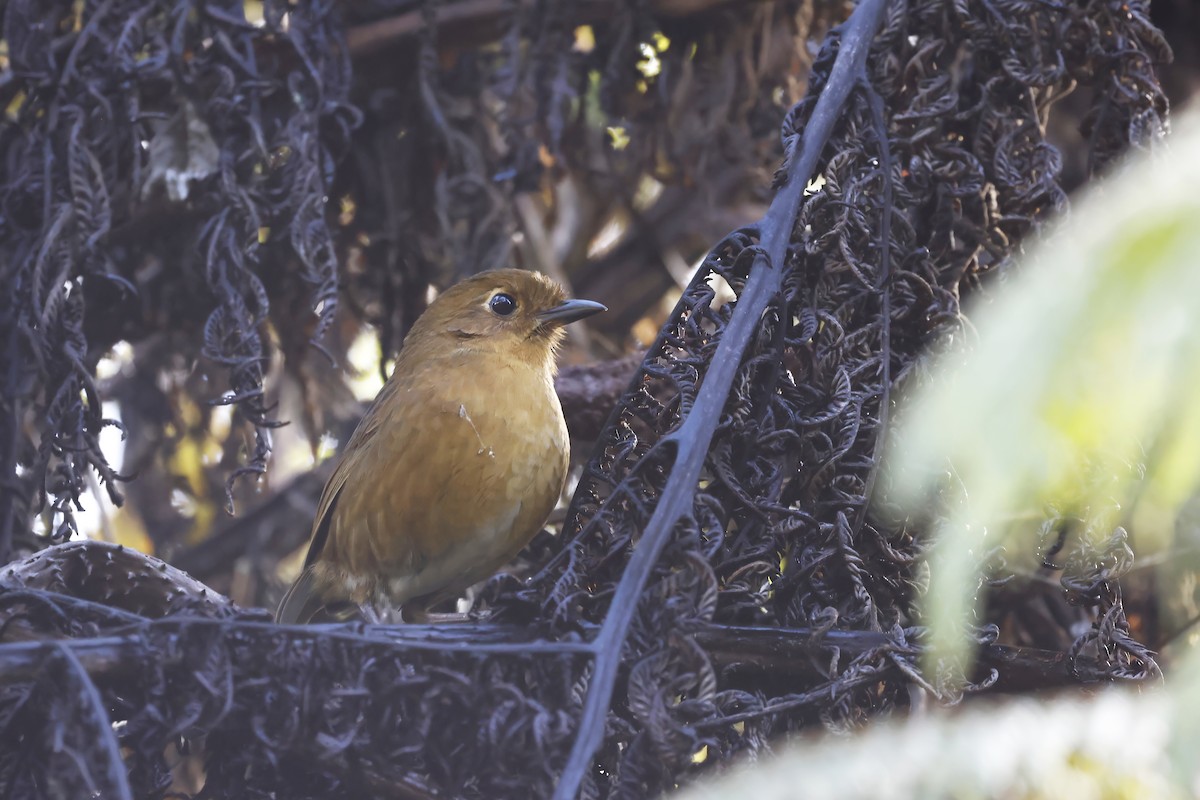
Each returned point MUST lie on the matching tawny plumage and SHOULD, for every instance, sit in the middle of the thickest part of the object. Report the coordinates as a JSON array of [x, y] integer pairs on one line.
[[457, 463]]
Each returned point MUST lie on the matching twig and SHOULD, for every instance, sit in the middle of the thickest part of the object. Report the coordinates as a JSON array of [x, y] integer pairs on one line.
[[101, 733], [779, 652], [10, 484], [116, 654], [785, 652], [882, 287], [102, 656]]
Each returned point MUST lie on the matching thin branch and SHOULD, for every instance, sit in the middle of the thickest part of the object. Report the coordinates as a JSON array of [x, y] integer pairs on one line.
[[102, 656], [10, 485], [778, 652], [101, 733], [118, 654], [883, 287], [439, 638], [783, 652]]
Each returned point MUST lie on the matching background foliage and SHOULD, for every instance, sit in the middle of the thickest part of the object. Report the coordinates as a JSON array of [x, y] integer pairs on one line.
[[207, 205]]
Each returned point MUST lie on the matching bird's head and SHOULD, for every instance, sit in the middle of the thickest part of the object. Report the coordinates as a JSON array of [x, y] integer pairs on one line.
[[508, 311]]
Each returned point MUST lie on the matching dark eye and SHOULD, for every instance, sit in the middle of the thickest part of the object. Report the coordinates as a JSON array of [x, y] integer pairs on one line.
[[502, 304]]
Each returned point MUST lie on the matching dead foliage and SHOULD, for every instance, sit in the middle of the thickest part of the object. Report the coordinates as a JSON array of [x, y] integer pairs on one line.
[[726, 501]]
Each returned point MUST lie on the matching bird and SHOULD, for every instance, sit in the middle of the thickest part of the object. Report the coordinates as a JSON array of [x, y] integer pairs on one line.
[[457, 463]]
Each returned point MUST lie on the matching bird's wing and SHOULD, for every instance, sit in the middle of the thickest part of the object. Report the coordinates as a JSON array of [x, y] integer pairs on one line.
[[363, 434], [321, 524]]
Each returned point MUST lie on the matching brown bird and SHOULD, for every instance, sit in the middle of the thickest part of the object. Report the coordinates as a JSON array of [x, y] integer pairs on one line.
[[458, 462]]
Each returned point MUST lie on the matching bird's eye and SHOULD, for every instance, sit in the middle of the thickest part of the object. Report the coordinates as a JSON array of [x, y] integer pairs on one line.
[[502, 304]]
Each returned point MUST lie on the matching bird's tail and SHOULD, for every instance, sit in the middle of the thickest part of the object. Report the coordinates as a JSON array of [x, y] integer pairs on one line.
[[313, 600], [301, 601]]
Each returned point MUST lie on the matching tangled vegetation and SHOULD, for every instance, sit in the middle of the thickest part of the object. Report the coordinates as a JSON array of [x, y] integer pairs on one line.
[[238, 190]]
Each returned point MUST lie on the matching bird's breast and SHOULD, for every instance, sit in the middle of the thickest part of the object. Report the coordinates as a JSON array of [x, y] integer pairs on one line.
[[462, 471]]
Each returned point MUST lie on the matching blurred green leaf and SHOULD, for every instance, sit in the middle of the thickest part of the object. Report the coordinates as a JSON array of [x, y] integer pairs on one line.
[[1109, 747], [1081, 392]]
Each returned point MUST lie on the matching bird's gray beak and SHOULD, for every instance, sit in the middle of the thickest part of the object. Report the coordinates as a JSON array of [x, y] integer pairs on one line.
[[570, 311]]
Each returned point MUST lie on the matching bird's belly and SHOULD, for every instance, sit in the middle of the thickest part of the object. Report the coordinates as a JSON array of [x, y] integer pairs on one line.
[[474, 502], [474, 557]]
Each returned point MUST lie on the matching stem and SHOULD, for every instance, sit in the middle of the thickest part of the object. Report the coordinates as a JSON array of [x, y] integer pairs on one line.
[[10, 414], [105, 738], [781, 653]]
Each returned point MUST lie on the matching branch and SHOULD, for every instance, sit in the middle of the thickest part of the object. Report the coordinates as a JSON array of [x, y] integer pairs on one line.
[[123, 654], [691, 439], [103, 656], [94, 726], [787, 653], [480, 20], [633, 276], [589, 392], [781, 653], [10, 484]]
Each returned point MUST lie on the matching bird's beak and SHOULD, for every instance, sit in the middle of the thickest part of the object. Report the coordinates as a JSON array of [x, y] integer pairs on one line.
[[569, 311]]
